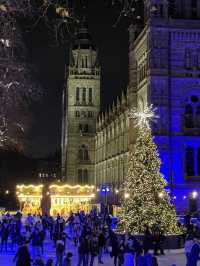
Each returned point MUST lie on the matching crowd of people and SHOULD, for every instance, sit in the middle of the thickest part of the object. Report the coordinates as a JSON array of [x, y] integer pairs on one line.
[[92, 237]]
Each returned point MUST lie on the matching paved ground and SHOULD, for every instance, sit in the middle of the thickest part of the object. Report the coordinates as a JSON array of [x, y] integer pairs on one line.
[[172, 257]]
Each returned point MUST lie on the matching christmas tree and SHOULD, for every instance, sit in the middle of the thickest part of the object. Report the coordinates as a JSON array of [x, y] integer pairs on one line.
[[145, 200]]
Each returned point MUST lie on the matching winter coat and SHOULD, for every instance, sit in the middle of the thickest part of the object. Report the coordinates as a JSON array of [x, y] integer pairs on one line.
[[194, 255], [22, 257]]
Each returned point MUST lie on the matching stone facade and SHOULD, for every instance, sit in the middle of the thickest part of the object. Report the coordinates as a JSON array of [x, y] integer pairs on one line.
[[164, 69], [81, 102]]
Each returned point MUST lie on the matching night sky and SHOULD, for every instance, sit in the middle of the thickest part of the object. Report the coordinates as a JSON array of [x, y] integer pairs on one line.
[[44, 137]]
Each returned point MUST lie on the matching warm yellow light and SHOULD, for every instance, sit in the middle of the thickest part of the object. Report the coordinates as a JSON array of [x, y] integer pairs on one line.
[[73, 196], [29, 186], [160, 195], [28, 196], [126, 195], [7, 192], [71, 187], [116, 191]]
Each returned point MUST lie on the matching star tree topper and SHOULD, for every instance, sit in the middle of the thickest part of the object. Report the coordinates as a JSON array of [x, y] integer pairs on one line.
[[145, 117]]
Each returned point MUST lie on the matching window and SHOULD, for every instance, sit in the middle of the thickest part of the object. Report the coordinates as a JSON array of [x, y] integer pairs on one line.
[[90, 114], [189, 161], [82, 176], [188, 58], [90, 95], [198, 58], [83, 128], [77, 113], [77, 94], [197, 118], [84, 95], [188, 117], [86, 62], [83, 114], [85, 176], [83, 153], [86, 128], [80, 179], [193, 9], [83, 65]]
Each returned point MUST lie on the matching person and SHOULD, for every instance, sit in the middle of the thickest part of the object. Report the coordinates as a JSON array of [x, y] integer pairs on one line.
[[60, 248], [68, 259], [83, 251], [115, 247], [158, 239], [22, 257], [147, 242], [194, 253], [188, 247], [94, 248], [4, 234], [121, 251], [36, 243], [102, 243]]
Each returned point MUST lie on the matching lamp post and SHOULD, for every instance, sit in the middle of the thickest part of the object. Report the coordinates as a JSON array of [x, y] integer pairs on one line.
[[105, 190]]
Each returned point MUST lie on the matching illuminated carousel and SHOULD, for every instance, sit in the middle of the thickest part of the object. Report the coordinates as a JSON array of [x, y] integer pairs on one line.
[[29, 197], [63, 198]]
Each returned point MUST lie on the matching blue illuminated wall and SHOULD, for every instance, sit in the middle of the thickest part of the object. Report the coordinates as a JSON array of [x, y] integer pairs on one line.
[[173, 83]]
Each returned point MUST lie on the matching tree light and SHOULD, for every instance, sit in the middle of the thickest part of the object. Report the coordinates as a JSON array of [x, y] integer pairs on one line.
[[7, 192], [116, 191], [160, 195], [126, 195]]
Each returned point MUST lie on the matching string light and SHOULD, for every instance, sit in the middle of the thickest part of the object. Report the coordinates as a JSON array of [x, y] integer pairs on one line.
[[126, 195]]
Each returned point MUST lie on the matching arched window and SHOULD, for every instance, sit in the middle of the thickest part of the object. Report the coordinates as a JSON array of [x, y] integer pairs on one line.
[[77, 94], [189, 161], [198, 161], [84, 95], [189, 122], [197, 118], [83, 153]]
